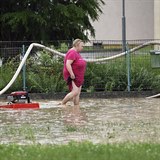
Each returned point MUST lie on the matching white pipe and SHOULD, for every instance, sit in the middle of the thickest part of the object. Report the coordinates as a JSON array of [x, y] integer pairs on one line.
[[18, 71], [155, 96], [61, 54], [122, 54], [48, 49], [23, 62]]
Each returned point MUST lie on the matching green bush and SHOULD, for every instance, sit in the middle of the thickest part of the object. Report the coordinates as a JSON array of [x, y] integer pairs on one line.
[[44, 74], [6, 73], [112, 75]]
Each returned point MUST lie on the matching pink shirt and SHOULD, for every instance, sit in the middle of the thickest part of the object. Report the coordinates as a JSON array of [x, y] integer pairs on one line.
[[78, 66]]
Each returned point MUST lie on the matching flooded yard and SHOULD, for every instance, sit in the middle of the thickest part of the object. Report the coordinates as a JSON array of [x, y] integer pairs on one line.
[[96, 120]]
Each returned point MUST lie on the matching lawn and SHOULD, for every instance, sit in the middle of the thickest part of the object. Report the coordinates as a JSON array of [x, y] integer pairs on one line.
[[81, 151]]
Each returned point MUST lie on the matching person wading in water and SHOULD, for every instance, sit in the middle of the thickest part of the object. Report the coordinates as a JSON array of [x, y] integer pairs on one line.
[[73, 72]]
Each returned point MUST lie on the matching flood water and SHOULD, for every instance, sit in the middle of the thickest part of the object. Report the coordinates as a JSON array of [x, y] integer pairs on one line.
[[97, 120]]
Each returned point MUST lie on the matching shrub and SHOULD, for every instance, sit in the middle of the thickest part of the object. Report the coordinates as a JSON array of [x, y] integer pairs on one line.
[[44, 74]]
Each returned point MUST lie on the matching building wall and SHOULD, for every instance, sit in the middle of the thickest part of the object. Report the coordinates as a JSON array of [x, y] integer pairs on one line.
[[157, 19], [139, 20]]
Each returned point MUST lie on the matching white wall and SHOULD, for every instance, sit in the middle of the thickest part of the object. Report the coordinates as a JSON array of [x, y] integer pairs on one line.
[[139, 17], [157, 19]]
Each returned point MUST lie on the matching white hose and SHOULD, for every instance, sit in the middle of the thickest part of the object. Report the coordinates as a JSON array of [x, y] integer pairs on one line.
[[122, 54], [48, 49], [18, 71], [155, 96], [61, 54]]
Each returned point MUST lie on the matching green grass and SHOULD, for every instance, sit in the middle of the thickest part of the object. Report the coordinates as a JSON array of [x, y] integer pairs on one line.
[[81, 151]]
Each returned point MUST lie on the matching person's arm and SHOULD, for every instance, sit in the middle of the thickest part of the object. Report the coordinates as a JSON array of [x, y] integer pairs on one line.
[[69, 68]]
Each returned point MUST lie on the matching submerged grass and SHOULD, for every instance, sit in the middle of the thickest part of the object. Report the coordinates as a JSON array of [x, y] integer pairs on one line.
[[71, 128], [81, 151]]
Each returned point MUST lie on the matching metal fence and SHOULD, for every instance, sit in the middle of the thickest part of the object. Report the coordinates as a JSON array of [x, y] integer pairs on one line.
[[96, 79]]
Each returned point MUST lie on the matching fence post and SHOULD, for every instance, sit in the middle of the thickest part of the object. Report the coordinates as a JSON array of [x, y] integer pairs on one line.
[[128, 59], [24, 69]]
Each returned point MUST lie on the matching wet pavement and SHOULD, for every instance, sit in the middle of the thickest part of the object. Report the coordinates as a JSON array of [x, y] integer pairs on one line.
[[96, 120]]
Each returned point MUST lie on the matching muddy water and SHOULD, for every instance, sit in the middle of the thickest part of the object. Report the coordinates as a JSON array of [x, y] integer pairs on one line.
[[99, 121]]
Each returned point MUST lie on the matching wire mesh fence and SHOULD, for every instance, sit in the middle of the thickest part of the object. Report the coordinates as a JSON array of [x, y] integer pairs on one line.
[[44, 70]]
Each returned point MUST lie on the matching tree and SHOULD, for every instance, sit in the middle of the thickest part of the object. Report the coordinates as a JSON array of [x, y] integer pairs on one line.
[[48, 19]]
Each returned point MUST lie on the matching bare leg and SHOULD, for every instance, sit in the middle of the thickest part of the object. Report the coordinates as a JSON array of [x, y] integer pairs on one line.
[[76, 98], [72, 94]]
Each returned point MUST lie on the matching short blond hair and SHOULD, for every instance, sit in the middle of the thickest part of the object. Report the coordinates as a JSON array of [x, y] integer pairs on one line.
[[76, 42]]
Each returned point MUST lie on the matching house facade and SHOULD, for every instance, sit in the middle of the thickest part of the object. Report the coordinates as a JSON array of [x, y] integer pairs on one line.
[[142, 20]]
